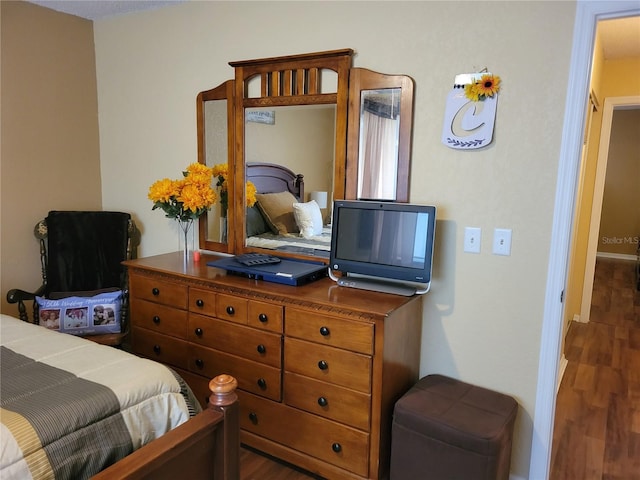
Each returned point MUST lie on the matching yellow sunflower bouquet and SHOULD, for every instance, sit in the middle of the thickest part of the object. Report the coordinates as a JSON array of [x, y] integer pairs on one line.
[[187, 198]]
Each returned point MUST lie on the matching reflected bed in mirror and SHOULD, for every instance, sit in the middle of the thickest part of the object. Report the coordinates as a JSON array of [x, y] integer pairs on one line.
[[280, 221], [283, 144]]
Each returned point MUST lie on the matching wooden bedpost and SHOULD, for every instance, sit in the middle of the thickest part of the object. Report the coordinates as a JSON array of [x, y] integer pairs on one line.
[[223, 398]]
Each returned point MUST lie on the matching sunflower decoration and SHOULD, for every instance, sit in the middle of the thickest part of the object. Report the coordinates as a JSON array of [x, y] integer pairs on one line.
[[487, 86], [187, 198]]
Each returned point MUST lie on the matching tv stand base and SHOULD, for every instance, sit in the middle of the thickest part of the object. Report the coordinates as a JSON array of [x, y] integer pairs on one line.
[[377, 286]]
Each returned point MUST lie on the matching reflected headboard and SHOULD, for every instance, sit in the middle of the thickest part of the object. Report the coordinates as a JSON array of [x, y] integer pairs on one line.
[[272, 178]]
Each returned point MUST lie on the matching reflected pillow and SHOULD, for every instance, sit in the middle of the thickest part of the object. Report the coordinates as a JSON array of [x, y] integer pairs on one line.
[[256, 223], [277, 209], [308, 218]]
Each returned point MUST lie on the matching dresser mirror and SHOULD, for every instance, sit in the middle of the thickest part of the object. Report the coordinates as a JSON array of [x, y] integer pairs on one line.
[[215, 114], [379, 145], [291, 114], [299, 137]]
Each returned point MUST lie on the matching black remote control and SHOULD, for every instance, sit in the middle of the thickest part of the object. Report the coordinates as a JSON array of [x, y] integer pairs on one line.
[[253, 259]]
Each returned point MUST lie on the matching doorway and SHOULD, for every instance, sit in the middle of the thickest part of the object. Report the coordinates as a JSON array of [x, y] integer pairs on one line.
[[587, 15], [612, 105]]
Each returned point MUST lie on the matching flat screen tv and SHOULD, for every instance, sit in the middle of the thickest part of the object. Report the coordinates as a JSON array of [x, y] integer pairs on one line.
[[382, 246]]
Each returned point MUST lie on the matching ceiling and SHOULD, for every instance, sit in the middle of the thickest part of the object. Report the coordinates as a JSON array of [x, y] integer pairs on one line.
[[100, 9], [620, 37]]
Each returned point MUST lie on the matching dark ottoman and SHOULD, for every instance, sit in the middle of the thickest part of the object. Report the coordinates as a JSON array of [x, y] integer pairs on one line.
[[447, 429]]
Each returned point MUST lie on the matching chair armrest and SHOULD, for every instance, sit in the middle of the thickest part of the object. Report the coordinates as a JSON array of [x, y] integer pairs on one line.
[[15, 295]]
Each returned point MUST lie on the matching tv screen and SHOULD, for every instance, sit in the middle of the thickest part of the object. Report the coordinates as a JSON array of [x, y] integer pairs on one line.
[[383, 240]]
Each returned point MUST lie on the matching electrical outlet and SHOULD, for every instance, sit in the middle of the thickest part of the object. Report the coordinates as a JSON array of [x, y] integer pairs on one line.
[[502, 241], [472, 239]]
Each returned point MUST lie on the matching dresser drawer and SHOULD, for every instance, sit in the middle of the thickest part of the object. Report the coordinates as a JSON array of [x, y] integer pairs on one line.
[[329, 441], [160, 348], [249, 343], [252, 376], [330, 401], [267, 316], [202, 301], [231, 308], [328, 364], [337, 332], [159, 318], [159, 291]]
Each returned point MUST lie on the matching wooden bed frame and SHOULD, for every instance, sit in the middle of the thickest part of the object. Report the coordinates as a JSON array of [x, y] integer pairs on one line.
[[273, 178], [205, 447]]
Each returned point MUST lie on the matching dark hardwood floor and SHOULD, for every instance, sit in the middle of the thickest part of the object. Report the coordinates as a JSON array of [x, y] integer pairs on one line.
[[597, 423], [256, 466]]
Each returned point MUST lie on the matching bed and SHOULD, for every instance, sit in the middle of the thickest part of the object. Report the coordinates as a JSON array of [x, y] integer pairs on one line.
[[72, 408], [273, 224]]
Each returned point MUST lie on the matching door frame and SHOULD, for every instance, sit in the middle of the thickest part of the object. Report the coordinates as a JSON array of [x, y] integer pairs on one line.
[[588, 13]]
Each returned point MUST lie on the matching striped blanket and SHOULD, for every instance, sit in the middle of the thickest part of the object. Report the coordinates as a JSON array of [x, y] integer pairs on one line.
[[319, 245], [70, 407]]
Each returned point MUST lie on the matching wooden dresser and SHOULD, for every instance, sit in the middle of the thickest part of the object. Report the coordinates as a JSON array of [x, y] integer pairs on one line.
[[319, 367]]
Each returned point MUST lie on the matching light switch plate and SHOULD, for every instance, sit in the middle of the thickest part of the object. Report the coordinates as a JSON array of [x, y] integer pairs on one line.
[[472, 239], [502, 241]]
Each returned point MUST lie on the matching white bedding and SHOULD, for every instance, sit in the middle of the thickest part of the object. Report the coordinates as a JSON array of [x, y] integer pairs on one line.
[[293, 241], [151, 400]]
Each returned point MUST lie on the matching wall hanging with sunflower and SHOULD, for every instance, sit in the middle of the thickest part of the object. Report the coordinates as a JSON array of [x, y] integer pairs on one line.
[[470, 112]]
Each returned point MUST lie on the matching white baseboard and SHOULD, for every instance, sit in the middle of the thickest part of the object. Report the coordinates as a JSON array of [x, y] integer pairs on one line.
[[616, 256], [561, 368]]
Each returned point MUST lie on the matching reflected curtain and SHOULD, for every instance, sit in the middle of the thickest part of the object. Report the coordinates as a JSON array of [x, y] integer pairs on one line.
[[392, 238], [378, 157]]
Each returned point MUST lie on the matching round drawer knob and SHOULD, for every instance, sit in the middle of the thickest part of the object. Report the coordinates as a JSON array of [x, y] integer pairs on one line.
[[199, 363], [156, 349], [198, 332], [324, 331], [155, 292], [200, 303], [336, 447], [323, 402], [253, 417], [263, 317], [322, 365], [261, 348], [262, 383], [156, 319], [230, 310]]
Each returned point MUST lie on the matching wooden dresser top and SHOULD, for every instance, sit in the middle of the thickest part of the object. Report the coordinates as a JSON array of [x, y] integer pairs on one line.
[[322, 293]]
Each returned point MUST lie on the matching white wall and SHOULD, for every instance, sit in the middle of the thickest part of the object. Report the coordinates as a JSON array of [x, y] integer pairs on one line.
[[483, 316]]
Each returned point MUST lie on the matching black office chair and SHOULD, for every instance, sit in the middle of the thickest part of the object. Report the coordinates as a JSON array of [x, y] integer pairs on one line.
[[81, 254]]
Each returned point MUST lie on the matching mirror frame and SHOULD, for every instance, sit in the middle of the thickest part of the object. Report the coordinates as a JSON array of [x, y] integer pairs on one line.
[[224, 91], [362, 79], [286, 81], [296, 80]]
